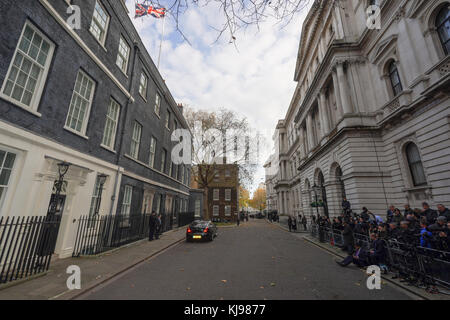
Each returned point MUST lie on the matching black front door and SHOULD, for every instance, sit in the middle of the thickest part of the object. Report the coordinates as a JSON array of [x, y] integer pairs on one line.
[[50, 227]]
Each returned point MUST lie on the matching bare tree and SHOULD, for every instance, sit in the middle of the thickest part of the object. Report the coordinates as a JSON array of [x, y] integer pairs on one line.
[[239, 14], [219, 137]]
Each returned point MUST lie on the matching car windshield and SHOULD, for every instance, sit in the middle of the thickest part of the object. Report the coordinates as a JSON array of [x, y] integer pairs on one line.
[[199, 224]]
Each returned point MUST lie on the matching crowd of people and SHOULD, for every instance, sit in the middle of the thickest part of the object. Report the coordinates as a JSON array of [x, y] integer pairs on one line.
[[365, 235], [426, 228]]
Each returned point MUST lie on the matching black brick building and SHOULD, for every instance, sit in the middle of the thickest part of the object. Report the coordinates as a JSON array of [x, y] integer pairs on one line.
[[87, 97]]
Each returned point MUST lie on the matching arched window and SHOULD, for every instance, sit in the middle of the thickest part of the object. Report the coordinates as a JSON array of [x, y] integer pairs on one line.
[[443, 28], [395, 78], [341, 182], [415, 165]]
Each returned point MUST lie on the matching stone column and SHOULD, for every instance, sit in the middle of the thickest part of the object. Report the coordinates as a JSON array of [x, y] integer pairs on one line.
[[340, 111], [343, 88], [309, 131], [338, 23], [302, 143], [323, 109], [279, 201]]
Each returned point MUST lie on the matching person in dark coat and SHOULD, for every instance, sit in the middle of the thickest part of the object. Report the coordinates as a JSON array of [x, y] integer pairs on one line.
[[304, 222], [348, 237], [294, 224], [390, 213], [377, 251], [346, 206], [152, 226], [407, 211], [443, 211], [365, 214], [359, 258], [398, 217], [290, 223], [429, 213]]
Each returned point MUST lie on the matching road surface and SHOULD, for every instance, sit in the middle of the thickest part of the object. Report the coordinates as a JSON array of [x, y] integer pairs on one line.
[[254, 261]]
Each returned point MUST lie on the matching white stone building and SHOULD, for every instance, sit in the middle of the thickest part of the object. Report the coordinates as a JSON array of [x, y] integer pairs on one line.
[[370, 116]]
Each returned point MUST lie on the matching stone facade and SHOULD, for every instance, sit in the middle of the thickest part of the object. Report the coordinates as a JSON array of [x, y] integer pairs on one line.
[[370, 116], [51, 128]]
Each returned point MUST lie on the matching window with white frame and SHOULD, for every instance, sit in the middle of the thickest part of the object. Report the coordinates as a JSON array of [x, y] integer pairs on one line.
[[123, 55], [151, 160], [143, 85], [28, 70], [415, 165], [7, 160], [95, 196], [158, 203], [228, 210], [216, 176], [227, 173], [136, 140], [126, 202], [167, 119], [80, 105], [443, 27], [227, 194], [99, 23], [215, 211], [158, 104], [216, 194], [112, 118], [197, 208]]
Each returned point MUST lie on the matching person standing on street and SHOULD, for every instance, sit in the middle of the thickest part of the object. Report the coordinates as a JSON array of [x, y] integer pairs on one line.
[[152, 226], [304, 222], [294, 224], [290, 223]]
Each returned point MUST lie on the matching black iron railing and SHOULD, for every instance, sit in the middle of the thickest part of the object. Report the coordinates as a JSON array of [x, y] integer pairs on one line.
[[426, 266], [98, 234], [26, 246]]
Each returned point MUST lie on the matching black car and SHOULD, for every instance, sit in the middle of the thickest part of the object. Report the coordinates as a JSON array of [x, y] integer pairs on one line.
[[201, 230]]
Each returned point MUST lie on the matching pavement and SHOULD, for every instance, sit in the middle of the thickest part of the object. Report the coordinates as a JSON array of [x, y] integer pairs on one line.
[[94, 270], [254, 261]]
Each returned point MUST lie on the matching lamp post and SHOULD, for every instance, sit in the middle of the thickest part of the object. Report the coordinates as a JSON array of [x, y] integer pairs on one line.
[[63, 167], [101, 182]]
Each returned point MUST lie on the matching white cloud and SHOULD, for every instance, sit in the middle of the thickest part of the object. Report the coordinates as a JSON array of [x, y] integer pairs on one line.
[[256, 80]]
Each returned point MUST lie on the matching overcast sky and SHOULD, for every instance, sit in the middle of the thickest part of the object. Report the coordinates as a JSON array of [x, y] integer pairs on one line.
[[254, 77]]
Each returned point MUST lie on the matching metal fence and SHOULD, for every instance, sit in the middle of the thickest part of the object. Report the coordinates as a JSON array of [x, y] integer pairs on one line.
[[97, 234], [421, 265], [26, 246]]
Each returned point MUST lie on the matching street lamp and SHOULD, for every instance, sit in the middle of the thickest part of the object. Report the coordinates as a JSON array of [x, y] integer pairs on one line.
[[63, 168], [101, 182]]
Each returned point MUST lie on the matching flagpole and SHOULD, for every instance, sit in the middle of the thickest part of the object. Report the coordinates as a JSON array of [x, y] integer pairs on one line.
[[162, 39]]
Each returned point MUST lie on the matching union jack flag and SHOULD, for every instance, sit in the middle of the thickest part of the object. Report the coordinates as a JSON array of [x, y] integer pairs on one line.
[[143, 10]]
